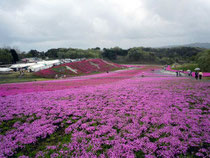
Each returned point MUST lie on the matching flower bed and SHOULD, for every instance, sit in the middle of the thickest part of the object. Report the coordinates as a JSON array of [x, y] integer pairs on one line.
[[81, 67], [113, 117]]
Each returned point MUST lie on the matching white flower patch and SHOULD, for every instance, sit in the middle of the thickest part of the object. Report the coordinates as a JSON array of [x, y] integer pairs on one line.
[[73, 70], [109, 63], [94, 64]]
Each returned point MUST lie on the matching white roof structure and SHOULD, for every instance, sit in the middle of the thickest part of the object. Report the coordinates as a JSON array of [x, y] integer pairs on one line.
[[43, 65], [37, 65], [4, 69], [21, 65], [40, 65], [49, 62]]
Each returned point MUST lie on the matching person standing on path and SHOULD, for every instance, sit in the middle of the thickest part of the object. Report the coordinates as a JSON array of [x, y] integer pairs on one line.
[[200, 75], [189, 73], [196, 75]]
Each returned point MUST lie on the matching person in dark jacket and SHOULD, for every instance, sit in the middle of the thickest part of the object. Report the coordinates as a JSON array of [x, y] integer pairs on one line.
[[196, 75]]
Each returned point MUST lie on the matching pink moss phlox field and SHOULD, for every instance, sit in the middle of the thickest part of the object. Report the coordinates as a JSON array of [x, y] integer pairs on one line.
[[103, 78], [82, 67], [205, 74], [118, 115]]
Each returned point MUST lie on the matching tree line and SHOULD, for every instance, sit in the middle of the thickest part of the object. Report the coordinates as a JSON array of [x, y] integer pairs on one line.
[[137, 55]]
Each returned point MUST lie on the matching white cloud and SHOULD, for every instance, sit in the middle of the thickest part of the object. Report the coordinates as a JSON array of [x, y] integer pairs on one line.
[[44, 24]]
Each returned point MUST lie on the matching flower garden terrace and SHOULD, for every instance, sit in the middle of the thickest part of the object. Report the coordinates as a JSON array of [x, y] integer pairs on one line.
[[78, 68], [73, 82], [117, 114]]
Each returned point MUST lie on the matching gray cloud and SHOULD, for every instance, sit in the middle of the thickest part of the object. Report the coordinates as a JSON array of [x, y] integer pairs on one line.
[[44, 24]]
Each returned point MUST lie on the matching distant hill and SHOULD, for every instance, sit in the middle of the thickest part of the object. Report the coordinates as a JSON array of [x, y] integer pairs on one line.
[[200, 45]]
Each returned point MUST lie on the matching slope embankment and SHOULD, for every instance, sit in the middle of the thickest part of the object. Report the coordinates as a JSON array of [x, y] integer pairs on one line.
[[79, 68]]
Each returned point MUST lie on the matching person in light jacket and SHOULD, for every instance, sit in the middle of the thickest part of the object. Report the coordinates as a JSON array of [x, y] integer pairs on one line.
[[200, 75]]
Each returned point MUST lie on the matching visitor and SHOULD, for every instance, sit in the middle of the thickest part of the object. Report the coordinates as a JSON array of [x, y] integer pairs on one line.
[[142, 75], [177, 73], [190, 73], [200, 75], [21, 72], [196, 75]]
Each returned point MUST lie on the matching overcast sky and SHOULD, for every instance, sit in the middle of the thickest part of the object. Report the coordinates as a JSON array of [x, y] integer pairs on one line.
[[45, 24]]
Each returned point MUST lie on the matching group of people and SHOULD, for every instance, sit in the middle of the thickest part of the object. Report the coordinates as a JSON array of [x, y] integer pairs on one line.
[[62, 76], [178, 73], [198, 75], [189, 73]]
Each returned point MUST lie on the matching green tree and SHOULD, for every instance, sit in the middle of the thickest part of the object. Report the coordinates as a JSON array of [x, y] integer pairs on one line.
[[14, 55], [5, 56], [52, 53], [109, 54], [203, 60], [136, 54]]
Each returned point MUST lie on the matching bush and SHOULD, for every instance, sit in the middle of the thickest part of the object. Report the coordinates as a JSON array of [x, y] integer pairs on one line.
[[186, 67], [203, 60], [5, 56]]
